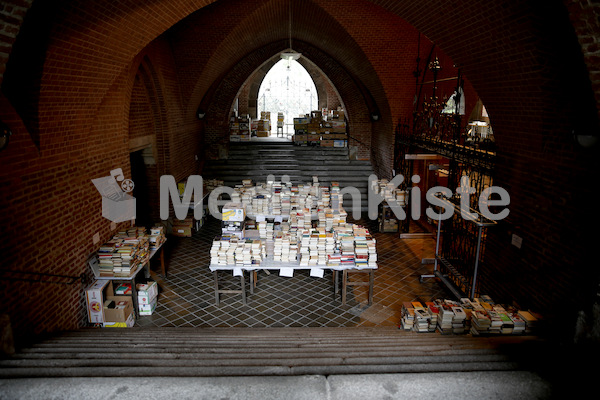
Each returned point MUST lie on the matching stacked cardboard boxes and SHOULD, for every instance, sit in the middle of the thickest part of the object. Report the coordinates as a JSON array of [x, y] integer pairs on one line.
[[105, 308], [147, 297]]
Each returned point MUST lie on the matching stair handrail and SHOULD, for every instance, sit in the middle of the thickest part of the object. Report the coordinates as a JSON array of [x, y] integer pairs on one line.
[[71, 278]]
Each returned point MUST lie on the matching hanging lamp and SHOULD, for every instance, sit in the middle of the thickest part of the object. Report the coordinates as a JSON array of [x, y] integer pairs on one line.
[[290, 54]]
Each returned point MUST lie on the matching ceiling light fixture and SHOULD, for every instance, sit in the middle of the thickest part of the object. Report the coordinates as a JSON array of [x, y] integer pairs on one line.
[[290, 54]]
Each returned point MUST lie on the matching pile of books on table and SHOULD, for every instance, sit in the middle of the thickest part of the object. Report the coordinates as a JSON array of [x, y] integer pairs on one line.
[[239, 252], [157, 237], [124, 253]]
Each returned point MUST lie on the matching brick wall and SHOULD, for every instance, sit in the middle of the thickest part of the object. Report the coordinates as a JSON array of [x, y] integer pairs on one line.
[[71, 118]]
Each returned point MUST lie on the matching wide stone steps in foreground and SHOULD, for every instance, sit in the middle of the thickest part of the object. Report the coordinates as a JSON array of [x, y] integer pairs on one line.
[[212, 352]]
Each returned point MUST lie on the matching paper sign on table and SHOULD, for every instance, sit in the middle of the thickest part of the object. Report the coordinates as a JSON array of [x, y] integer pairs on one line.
[[316, 272], [289, 272], [237, 272]]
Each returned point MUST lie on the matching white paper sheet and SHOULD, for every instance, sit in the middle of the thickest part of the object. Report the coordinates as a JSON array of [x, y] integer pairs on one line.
[[289, 272], [237, 272], [316, 272]]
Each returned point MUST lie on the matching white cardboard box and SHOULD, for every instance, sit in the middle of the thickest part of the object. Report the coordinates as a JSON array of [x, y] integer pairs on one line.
[[147, 291], [148, 309], [234, 212]]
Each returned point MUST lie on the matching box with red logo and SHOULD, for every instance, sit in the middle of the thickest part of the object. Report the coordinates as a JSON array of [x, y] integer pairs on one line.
[[94, 296], [104, 307], [147, 297]]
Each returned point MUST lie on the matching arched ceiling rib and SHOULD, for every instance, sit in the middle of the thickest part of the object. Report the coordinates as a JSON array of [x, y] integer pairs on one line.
[[268, 23]]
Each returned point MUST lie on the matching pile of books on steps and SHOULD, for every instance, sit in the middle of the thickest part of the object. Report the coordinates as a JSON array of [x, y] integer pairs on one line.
[[480, 316]]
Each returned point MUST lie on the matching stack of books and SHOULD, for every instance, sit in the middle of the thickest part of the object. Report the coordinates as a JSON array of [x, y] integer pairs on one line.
[[480, 323], [157, 237], [434, 312], [530, 320], [240, 253], [407, 316], [445, 317], [124, 253], [212, 184], [519, 324], [459, 320], [422, 317]]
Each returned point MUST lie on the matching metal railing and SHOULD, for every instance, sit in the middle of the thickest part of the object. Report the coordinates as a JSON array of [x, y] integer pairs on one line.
[[41, 277]]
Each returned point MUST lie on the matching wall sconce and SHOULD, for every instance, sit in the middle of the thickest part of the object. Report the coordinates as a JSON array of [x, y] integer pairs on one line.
[[5, 134], [585, 141], [200, 113]]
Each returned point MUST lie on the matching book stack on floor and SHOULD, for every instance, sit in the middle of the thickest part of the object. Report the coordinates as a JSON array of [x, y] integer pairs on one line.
[[446, 316], [434, 312], [407, 316], [480, 316], [422, 318], [459, 320], [529, 319], [480, 322]]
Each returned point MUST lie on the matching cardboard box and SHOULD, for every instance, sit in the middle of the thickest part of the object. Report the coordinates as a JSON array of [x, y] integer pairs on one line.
[[146, 291], [262, 133], [337, 114], [327, 143], [183, 228], [182, 231], [233, 212], [237, 234], [94, 296], [97, 294], [129, 323], [119, 314], [148, 308]]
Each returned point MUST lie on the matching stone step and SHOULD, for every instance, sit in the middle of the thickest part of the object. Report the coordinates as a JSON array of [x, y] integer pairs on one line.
[[212, 352]]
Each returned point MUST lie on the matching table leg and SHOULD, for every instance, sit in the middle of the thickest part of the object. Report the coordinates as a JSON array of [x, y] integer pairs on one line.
[[162, 261], [371, 281], [344, 286], [336, 284], [134, 299], [243, 281], [216, 287]]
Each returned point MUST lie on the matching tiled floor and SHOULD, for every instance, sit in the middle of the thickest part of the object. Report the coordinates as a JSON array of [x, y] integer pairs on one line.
[[187, 293]]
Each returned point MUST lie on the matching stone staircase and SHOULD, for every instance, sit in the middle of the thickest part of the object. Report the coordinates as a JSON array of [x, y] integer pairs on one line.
[[291, 363], [258, 160], [177, 352]]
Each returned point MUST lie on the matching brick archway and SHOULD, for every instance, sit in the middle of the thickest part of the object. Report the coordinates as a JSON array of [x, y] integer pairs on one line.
[[325, 91], [524, 61]]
